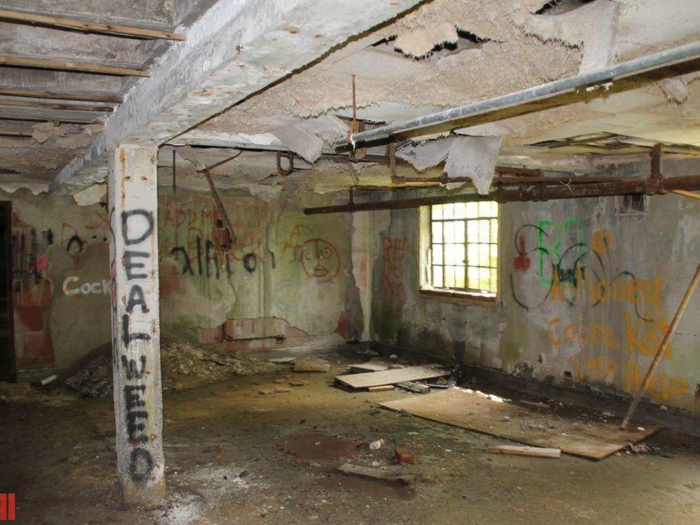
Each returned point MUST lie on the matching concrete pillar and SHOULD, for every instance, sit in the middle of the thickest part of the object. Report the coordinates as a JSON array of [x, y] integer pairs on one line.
[[138, 401]]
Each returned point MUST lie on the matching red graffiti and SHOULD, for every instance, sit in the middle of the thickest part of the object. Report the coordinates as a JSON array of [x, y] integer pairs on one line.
[[522, 261], [320, 260], [395, 255]]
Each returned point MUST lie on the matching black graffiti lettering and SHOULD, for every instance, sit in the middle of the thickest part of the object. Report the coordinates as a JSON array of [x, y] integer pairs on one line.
[[130, 366], [74, 241], [132, 397], [133, 427], [199, 254], [127, 336], [130, 265], [211, 257], [144, 234], [136, 298], [250, 262], [140, 465], [188, 264]]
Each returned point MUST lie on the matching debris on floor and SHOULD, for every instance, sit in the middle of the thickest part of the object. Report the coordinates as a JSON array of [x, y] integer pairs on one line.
[[315, 446], [311, 364], [490, 414], [515, 450], [413, 386], [14, 391], [375, 473], [273, 391], [94, 379], [403, 455], [391, 377], [183, 366]]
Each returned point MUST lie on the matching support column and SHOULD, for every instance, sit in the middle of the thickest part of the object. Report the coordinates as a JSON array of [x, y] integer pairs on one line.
[[138, 401]]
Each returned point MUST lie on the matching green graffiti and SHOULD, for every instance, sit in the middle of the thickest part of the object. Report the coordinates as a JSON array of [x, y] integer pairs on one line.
[[553, 239]]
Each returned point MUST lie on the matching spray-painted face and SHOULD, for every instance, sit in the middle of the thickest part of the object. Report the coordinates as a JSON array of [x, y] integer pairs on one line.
[[320, 260]]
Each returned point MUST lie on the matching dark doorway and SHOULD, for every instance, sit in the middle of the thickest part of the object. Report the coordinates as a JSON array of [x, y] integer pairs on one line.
[[8, 371]]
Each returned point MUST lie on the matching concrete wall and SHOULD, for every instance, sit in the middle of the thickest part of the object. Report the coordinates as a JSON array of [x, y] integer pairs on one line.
[[585, 296], [287, 281], [60, 280]]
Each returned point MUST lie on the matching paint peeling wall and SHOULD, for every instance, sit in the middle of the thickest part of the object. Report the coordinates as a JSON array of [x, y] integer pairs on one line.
[[60, 280], [585, 296], [285, 281]]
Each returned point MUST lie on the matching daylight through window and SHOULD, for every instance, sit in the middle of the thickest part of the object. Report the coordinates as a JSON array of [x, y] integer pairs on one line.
[[464, 247]]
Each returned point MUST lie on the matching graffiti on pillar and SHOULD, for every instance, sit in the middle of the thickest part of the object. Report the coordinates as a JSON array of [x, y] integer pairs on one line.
[[136, 227]]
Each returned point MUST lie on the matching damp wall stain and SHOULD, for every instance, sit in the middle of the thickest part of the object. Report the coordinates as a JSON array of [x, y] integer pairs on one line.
[[584, 293]]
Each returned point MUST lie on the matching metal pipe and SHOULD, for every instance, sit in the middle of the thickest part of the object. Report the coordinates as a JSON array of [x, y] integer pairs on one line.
[[662, 349], [644, 64], [526, 193]]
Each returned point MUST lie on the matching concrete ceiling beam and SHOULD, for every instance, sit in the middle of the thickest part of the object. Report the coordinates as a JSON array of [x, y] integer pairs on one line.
[[237, 48]]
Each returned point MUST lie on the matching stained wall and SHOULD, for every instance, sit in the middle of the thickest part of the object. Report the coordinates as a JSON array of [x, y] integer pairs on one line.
[[585, 296], [285, 281]]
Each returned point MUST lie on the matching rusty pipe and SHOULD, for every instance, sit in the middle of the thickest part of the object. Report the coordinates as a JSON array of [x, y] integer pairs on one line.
[[527, 193]]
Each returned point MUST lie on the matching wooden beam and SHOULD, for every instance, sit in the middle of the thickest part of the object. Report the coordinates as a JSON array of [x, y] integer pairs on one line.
[[52, 105], [687, 194], [88, 27], [15, 133], [46, 119], [61, 95], [70, 65]]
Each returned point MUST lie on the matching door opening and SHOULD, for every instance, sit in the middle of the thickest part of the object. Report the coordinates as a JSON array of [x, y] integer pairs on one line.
[[8, 368]]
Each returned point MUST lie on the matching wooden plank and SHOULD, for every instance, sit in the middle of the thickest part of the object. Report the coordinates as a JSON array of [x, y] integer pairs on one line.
[[55, 105], [537, 452], [46, 119], [383, 388], [15, 133], [61, 95], [98, 68], [375, 473], [371, 366], [391, 377], [412, 386], [478, 412], [87, 26]]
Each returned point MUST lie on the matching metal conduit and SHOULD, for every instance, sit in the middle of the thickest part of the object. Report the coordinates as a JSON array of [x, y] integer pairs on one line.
[[648, 63]]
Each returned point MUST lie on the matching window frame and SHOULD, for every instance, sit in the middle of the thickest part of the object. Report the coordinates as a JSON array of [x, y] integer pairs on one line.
[[425, 266]]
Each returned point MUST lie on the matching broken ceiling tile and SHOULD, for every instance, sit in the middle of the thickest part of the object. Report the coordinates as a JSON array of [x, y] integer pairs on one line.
[[473, 157]]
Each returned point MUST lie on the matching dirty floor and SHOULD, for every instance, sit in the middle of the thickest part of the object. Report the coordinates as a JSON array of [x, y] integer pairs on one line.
[[234, 455]]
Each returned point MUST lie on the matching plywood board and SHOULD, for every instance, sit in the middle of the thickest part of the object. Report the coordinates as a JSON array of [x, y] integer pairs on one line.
[[391, 377], [476, 411], [371, 366]]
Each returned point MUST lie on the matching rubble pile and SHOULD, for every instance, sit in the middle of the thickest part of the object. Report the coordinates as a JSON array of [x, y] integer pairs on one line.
[[187, 366], [183, 366], [94, 379]]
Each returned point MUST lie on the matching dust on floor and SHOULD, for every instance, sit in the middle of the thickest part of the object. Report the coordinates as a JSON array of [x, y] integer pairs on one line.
[[234, 455]]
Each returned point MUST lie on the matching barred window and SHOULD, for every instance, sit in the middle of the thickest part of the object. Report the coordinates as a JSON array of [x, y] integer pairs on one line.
[[464, 247]]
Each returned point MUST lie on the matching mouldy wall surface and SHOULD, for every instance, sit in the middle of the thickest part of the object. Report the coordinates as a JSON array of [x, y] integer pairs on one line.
[[286, 281], [60, 280], [585, 296]]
